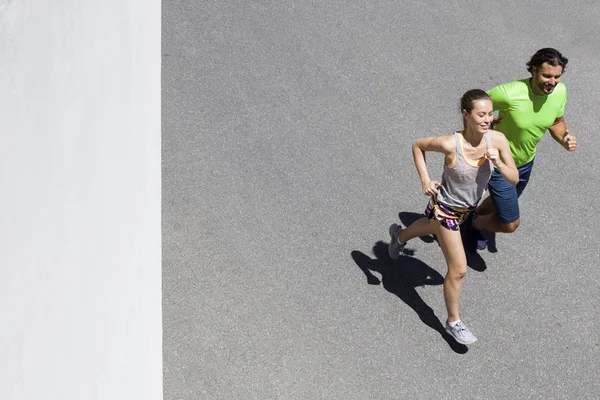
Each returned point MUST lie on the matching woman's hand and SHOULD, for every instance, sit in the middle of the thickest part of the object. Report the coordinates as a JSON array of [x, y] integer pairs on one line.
[[493, 155], [430, 187]]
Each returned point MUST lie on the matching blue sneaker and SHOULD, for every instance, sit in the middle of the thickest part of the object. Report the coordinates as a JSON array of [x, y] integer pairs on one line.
[[482, 244]]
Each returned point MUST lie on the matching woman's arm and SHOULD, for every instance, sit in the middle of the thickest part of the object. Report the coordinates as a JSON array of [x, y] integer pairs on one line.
[[440, 144], [502, 158]]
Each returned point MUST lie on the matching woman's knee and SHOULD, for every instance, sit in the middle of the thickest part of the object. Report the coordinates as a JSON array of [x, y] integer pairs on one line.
[[457, 272]]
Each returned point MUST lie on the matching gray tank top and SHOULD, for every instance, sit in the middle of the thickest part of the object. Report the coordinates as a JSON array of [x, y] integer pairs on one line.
[[463, 184]]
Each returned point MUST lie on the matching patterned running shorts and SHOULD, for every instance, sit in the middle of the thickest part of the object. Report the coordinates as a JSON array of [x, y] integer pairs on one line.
[[449, 217]]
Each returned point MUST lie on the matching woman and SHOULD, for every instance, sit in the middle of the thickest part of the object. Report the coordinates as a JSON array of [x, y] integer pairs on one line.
[[469, 158]]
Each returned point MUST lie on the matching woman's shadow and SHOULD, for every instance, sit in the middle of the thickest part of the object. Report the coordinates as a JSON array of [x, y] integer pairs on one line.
[[401, 277]]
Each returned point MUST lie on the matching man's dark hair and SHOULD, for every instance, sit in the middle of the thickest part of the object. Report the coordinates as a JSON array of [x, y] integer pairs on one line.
[[549, 55]]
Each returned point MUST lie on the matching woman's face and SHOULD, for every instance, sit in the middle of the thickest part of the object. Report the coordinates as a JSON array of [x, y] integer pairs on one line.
[[481, 116]]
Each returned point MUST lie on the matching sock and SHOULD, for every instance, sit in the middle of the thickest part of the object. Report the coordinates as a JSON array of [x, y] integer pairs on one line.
[[398, 237], [453, 323]]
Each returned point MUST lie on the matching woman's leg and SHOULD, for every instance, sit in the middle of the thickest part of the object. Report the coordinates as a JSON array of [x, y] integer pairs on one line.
[[452, 247], [421, 227], [399, 236]]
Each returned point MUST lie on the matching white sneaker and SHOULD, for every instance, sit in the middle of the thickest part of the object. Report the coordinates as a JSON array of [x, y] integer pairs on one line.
[[395, 247], [460, 333]]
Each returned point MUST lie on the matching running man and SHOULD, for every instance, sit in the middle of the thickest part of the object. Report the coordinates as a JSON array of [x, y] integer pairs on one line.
[[527, 108]]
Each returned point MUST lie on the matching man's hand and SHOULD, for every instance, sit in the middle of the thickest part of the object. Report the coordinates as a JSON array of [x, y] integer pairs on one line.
[[430, 187], [569, 141]]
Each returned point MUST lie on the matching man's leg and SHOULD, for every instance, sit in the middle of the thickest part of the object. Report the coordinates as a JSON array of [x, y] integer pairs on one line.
[[492, 223], [486, 207], [500, 211], [504, 199]]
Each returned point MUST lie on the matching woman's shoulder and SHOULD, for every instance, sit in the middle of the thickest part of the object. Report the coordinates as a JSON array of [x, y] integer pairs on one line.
[[451, 136], [496, 135], [449, 141]]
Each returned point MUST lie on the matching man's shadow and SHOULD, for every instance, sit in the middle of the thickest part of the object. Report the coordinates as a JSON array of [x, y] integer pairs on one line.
[[474, 260], [401, 277], [490, 237]]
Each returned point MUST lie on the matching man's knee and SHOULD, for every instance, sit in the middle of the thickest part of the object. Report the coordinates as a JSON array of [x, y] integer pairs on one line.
[[511, 227]]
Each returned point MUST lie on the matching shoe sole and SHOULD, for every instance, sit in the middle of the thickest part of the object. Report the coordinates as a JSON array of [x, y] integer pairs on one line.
[[458, 340]]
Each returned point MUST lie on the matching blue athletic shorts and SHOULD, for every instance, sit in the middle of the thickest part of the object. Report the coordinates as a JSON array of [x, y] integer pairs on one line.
[[504, 195]]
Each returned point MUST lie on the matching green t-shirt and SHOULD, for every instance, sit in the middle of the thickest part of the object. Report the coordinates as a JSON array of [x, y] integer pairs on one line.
[[526, 116]]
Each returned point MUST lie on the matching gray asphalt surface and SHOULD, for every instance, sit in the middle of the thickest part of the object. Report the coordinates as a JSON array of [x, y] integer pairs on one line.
[[286, 155]]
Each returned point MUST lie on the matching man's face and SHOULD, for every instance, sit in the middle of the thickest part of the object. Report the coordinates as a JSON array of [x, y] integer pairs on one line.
[[545, 78]]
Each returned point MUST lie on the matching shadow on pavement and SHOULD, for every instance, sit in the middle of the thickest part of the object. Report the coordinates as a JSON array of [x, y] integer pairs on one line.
[[401, 277], [490, 237]]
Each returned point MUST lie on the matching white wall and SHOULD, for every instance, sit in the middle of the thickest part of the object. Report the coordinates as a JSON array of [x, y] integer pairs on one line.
[[80, 245]]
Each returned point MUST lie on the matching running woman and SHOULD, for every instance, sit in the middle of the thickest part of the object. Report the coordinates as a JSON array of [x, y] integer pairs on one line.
[[470, 156]]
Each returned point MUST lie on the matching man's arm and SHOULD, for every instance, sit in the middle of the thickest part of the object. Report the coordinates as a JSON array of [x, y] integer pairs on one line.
[[560, 133]]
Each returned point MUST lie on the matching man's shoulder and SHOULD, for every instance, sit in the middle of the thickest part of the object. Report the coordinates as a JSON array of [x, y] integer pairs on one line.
[[560, 90], [518, 86]]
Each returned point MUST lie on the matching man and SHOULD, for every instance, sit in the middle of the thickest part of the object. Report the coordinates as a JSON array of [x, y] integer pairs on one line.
[[527, 108]]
